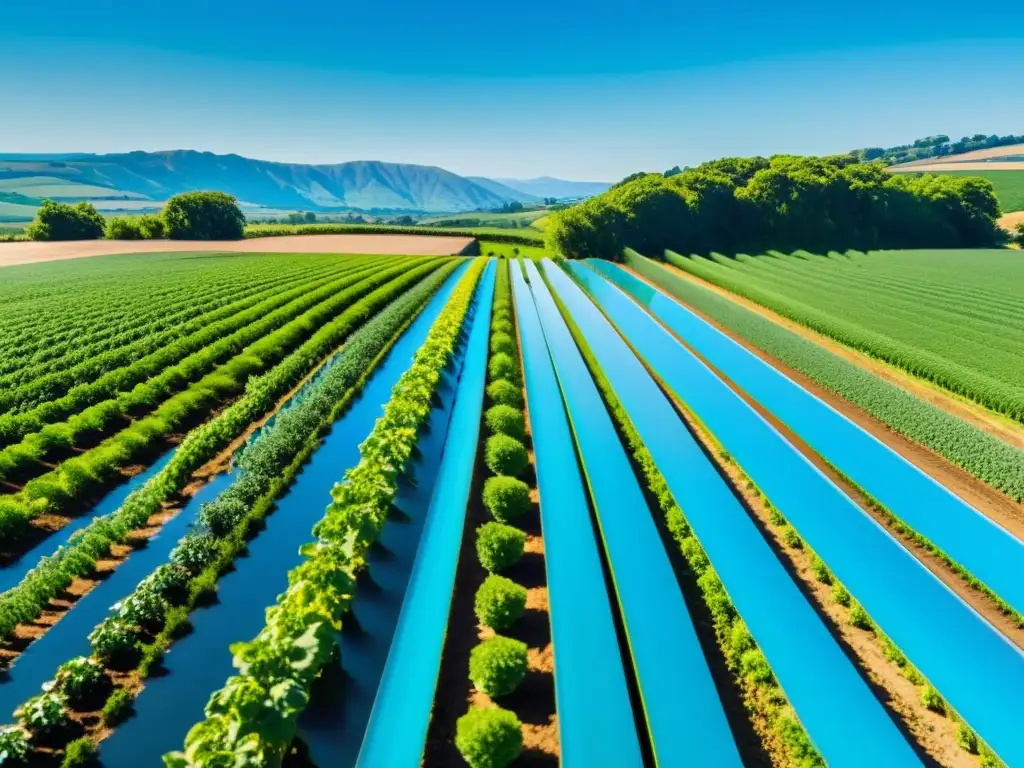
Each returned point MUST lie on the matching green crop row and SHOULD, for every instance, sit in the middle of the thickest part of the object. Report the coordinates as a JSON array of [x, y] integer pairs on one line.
[[524, 237], [984, 456], [163, 371], [85, 474], [54, 573], [987, 374], [142, 626], [753, 676], [252, 720]]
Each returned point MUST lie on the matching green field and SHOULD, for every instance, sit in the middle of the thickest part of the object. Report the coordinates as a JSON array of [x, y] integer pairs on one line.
[[520, 220], [953, 317], [1009, 186]]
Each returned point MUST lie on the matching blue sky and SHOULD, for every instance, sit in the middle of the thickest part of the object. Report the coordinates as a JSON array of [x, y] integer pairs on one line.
[[579, 90]]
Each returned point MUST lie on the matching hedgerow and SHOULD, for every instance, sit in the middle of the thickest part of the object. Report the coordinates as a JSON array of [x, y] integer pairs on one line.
[[263, 230], [309, 614]]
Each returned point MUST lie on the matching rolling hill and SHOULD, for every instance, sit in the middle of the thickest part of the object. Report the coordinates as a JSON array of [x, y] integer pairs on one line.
[[545, 186], [503, 190], [361, 185]]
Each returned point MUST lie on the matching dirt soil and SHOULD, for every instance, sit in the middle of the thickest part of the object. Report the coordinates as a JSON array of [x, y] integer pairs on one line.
[[1010, 220], [12, 254]]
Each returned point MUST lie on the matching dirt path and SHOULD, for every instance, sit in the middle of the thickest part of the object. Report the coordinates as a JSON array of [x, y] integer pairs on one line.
[[12, 254], [1010, 220]]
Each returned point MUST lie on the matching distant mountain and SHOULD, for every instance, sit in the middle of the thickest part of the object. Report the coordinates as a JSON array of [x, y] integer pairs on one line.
[[545, 186], [501, 190], [361, 185]]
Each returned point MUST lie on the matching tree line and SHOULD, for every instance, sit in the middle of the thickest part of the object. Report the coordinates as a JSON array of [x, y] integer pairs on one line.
[[189, 216], [934, 146], [753, 204]]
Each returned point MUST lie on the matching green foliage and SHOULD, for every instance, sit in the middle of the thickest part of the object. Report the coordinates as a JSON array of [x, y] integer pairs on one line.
[[498, 545], [935, 146], [80, 679], [499, 602], [1018, 236], [505, 455], [497, 666], [503, 366], [966, 738], [932, 700], [520, 237], [504, 392], [135, 228], [203, 216], [44, 714], [745, 205], [252, 719], [114, 643], [78, 753], [791, 537], [506, 498], [118, 707], [978, 452], [489, 738], [503, 342], [820, 570], [840, 595], [506, 420], [60, 221], [14, 745], [859, 618]]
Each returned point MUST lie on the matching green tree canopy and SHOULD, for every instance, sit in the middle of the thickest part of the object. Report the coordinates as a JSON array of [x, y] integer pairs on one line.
[[203, 216], [59, 221]]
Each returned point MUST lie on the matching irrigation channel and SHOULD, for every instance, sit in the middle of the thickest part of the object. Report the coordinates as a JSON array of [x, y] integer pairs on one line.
[[397, 730], [685, 718], [978, 671], [197, 664], [984, 548], [595, 718], [782, 622]]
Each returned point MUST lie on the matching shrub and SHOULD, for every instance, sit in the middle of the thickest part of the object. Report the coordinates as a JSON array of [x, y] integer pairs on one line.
[[505, 455], [194, 552], [506, 420], [489, 738], [820, 570], [203, 216], [497, 666], [965, 737], [502, 366], [14, 744], [506, 498], [859, 618], [931, 699], [80, 679], [1018, 236], [79, 752], [59, 221], [499, 602], [502, 326], [124, 228], [44, 714], [791, 537], [114, 643], [168, 581], [503, 342], [498, 545], [840, 595], [118, 707], [152, 227], [504, 392], [143, 608]]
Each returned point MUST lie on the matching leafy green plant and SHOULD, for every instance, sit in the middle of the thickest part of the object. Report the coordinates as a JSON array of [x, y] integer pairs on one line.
[[60, 221], [840, 595], [506, 498], [505, 455], [489, 738], [820, 570], [14, 745], [78, 753], [503, 366], [497, 666], [203, 216], [932, 700], [498, 545], [504, 392], [859, 618], [499, 602], [80, 679], [506, 420], [195, 551], [114, 643], [503, 342], [792, 538], [44, 714], [118, 707], [966, 738], [143, 608]]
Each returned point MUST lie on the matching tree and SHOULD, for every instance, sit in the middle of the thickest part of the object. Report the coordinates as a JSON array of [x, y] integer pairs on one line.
[[203, 216], [296, 218], [59, 221], [310, 217]]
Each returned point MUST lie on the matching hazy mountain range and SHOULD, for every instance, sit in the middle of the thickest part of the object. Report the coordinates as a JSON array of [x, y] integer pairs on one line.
[[369, 186]]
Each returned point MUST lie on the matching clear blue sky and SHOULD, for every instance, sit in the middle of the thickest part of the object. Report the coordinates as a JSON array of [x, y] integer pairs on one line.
[[585, 90]]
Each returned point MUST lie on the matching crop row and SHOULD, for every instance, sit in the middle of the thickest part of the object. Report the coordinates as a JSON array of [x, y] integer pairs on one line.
[[84, 474], [968, 380], [143, 625], [54, 573], [364, 229], [139, 334], [139, 387], [252, 720], [56, 384], [984, 456]]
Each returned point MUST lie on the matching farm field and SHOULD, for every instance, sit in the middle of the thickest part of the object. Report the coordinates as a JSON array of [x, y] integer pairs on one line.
[[366, 509]]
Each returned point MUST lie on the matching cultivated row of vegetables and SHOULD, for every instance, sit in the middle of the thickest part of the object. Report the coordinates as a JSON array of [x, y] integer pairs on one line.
[[252, 720], [76, 478], [142, 626], [54, 573]]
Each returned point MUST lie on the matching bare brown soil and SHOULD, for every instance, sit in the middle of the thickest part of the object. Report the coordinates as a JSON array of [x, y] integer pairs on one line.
[[977, 600], [1011, 220], [15, 253]]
